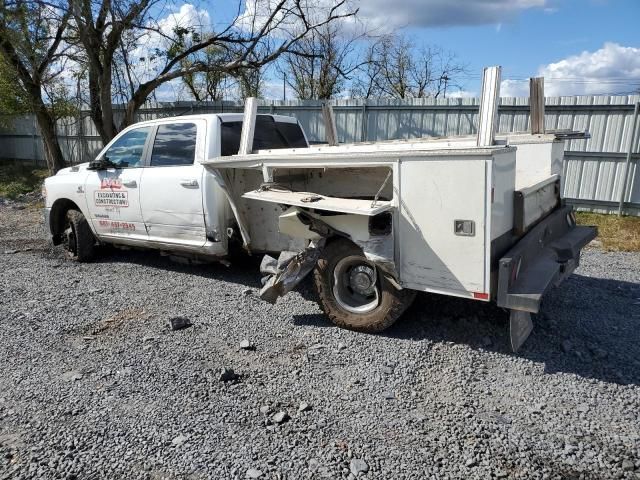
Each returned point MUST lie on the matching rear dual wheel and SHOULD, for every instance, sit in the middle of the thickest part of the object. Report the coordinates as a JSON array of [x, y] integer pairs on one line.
[[354, 293]]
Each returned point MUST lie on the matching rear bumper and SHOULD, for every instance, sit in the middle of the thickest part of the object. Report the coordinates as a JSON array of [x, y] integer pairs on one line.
[[544, 257]]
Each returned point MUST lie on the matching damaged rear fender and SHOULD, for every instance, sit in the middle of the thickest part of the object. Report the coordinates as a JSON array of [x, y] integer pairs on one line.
[[283, 274]]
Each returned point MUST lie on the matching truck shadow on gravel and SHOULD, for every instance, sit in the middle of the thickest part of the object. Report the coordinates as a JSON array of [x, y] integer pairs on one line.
[[588, 327], [244, 270]]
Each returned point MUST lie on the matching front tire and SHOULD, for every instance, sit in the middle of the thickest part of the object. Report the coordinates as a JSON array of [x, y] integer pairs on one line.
[[354, 293], [78, 240]]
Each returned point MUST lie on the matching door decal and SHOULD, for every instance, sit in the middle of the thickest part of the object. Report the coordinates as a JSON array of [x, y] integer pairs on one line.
[[111, 194]]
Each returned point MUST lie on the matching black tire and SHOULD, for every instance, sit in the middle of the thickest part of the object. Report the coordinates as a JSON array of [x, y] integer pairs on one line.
[[79, 242], [391, 302]]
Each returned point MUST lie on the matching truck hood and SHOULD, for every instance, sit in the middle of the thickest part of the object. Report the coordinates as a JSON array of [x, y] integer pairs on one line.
[[82, 167]]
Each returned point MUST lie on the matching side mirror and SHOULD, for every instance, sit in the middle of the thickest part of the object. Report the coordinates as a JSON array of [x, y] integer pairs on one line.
[[98, 164]]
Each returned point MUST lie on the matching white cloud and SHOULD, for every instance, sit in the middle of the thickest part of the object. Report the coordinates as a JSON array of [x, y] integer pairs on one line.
[[613, 69], [146, 63], [462, 94], [384, 16], [443, 13], [515, 88]]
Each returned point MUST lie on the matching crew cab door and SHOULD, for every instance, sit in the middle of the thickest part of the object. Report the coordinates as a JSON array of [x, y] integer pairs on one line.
[[171, 194], [113, 194]]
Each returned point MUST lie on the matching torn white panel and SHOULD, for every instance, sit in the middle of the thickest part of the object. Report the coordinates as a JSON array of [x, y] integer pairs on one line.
[[355, 226], [320, 202]]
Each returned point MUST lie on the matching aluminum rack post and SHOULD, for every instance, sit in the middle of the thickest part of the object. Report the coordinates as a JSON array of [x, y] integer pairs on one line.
[[536, 104], [248, 126], [489, 100]]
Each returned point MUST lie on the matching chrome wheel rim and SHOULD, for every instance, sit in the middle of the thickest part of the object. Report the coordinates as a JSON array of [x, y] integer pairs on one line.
[[355, 285]]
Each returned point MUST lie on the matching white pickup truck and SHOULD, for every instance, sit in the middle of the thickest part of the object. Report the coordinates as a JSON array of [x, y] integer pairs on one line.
[[376, 222]]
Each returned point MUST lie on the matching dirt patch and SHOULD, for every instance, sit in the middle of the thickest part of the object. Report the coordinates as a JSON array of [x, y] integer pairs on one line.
[[118, 320]]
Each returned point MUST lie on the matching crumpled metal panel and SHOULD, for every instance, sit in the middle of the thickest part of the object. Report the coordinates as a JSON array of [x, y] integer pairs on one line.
[[288, 270]]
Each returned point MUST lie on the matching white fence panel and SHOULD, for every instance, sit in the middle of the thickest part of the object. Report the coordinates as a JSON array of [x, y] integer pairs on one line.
[[594, 168]]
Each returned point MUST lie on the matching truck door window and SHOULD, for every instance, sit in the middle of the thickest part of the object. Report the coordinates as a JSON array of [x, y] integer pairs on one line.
[[268, 135], [126, 151], [175, 144]]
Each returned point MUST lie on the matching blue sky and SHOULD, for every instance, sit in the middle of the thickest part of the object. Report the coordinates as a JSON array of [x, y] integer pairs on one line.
[[537, 37], [580, 46]]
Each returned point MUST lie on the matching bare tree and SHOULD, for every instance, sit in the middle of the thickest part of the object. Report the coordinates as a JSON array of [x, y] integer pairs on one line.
[[433, 71], [32, 45], [394, 68], [247, 43], [367, 82], [398, 65], [321, 64]]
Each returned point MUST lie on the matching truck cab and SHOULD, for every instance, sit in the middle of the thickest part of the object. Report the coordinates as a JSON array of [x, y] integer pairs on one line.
[[147, 187]]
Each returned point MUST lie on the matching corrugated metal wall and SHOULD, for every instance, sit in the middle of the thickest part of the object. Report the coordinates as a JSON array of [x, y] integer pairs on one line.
[[594, 168]]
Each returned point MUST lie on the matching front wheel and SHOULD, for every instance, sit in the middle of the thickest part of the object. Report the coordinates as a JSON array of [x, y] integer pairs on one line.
[[78, 240], [354, 293]]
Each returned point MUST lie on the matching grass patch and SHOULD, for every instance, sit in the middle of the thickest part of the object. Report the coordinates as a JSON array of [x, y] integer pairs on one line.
[[16, 179], [620, 234]]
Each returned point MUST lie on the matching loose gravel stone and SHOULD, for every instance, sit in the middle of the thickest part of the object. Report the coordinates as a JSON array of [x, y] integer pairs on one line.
[[228, 375], [72, 376], [358, 466], [628, 466], [247, 345], [179, 440], [280, 417], [583, 408], [178, 323], [304, 407], [516, 415], [253, 473], [566, 346]]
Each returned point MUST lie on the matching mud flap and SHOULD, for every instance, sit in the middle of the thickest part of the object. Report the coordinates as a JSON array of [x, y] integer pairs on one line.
[[283, 274], [520, 327]]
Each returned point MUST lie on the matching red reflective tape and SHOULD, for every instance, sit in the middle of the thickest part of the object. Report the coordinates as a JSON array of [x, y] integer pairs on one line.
[[481, 296]]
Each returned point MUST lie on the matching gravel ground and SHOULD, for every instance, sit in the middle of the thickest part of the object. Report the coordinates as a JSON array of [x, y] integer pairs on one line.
[[94, 384]]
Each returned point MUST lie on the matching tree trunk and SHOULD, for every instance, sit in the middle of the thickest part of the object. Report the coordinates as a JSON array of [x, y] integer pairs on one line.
[[52, 150], [95, 110], [135, 103], [108, 122]]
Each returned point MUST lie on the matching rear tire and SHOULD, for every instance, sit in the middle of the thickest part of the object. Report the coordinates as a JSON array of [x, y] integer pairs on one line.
[[79, 242], [345, 281]]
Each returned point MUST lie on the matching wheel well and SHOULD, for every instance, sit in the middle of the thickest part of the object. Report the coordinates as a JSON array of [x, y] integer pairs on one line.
[[57, 217]]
